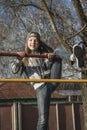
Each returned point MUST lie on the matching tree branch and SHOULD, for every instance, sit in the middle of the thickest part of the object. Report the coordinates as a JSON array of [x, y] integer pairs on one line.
[[54, 26], [82, 29]]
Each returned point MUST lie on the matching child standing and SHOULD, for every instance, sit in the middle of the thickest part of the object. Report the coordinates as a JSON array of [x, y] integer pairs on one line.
[[40, 68]]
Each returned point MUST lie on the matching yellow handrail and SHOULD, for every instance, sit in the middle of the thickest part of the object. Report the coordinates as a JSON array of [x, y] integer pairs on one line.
[[43, 80]]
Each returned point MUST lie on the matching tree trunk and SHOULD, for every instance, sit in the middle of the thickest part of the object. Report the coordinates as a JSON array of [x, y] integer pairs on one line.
[[82, 18], [83, 21], [80, 11], [84, 95]]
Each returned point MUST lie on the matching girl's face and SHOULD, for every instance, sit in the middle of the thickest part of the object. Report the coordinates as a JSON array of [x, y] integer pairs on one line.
[[33, 43]]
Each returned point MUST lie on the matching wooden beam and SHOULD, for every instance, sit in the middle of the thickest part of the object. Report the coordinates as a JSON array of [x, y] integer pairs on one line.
[[15, 54]]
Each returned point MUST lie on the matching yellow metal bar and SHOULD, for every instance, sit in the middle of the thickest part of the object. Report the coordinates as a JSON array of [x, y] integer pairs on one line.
[[43, 80]]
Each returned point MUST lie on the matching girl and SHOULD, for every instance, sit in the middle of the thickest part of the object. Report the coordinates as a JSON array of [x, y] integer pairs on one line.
[[39, 68]]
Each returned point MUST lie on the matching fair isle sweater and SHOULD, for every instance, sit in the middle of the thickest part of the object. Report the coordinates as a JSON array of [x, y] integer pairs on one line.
[[37, 68]]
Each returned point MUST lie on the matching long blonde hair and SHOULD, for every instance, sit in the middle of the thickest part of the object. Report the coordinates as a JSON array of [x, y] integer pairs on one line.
[[43, 48]]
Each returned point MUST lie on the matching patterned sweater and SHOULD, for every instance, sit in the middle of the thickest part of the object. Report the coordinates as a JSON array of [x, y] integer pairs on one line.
[[37, 68]]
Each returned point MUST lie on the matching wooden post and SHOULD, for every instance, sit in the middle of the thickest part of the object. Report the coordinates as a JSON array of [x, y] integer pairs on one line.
[[84, 94]]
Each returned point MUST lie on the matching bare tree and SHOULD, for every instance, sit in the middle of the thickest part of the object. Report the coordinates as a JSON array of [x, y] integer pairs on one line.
[[83, 20]]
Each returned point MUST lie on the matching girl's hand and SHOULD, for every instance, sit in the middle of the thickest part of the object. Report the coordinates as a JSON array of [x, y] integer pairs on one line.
[[72, 57], [49, 55], [20, 55]]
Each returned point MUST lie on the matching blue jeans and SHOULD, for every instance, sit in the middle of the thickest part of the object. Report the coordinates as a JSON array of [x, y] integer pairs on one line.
[[44, 95]]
